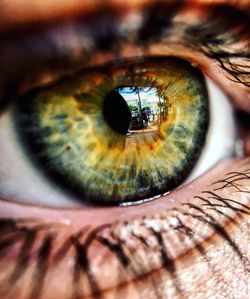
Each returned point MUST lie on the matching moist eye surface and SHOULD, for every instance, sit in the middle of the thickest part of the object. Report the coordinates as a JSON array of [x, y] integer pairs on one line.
[[117, 133]]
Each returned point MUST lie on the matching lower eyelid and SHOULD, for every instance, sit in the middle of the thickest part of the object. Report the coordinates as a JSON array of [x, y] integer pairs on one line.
[[114, 251], [99, 215]]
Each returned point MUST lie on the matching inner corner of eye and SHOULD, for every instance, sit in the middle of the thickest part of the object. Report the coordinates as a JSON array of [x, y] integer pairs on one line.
[[122, 133]]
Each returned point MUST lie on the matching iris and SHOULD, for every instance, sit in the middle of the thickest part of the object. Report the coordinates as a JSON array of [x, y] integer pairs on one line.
[[122, 131]]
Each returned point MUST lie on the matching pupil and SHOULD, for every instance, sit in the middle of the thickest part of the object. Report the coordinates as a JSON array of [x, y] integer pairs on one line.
[[116, 112], [133, 110]]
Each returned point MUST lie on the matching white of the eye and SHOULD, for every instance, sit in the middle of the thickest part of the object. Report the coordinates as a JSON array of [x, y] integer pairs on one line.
[[19, 178], [22, 181], [222, 132]]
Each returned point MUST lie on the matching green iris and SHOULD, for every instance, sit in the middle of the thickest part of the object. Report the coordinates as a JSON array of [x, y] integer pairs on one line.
[[118, 133]]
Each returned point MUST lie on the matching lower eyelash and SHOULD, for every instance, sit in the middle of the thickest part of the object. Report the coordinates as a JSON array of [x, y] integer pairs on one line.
[[48, 255]]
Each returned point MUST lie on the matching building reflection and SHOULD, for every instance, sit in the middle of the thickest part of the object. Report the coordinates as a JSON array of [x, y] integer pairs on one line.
[[148, 108]]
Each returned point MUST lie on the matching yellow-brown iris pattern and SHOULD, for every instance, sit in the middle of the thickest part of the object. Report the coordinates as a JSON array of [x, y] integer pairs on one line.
[[65, 127]]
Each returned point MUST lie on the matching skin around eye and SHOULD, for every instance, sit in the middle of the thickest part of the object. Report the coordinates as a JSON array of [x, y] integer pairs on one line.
[[196, 247]]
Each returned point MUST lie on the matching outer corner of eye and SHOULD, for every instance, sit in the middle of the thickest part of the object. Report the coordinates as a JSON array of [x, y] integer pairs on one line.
[[127, 137]]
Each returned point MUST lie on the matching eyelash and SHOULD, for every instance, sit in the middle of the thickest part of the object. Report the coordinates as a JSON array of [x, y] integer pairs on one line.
[[109, 236], [237, 72]]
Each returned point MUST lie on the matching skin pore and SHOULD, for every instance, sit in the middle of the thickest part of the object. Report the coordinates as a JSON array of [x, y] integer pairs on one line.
[[190, 243]]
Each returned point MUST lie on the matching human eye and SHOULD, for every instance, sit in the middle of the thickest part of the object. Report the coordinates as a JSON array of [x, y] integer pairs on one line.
[[157, 249]]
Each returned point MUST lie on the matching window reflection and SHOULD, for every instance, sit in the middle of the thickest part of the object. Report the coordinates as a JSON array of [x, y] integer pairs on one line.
[[147, 107]]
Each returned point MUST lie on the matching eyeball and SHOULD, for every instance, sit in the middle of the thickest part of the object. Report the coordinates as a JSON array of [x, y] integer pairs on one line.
[[114, 135]]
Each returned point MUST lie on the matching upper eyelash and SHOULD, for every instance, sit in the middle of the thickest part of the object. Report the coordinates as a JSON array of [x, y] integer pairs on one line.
[[236, 72], [108, 235]]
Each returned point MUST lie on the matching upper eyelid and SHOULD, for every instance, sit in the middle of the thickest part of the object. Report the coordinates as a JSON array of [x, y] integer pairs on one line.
[[218, 17], [61, 42]]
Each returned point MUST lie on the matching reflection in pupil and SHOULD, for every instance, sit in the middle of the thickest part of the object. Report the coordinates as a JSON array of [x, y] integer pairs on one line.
[[116, 112], [134, 110]]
